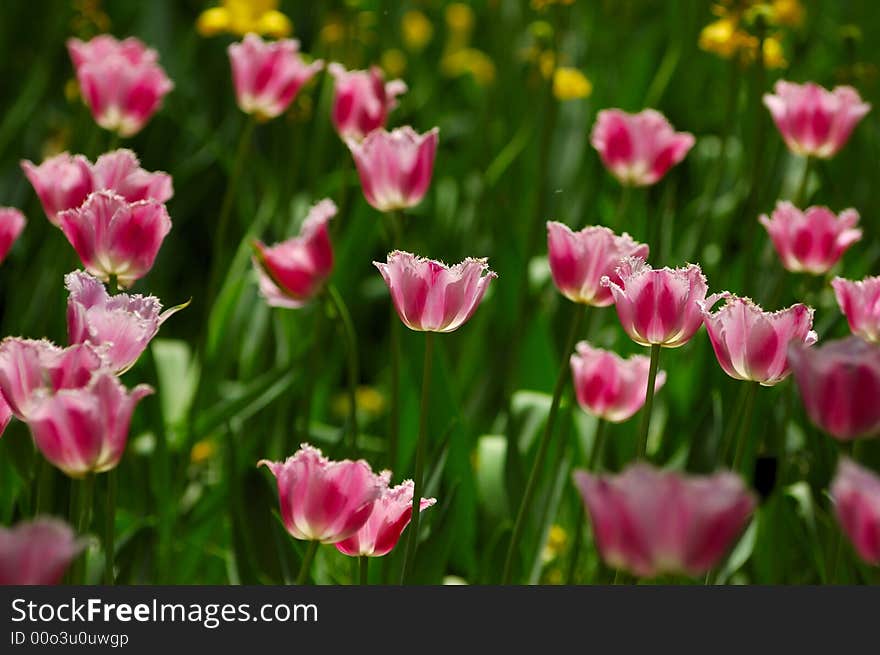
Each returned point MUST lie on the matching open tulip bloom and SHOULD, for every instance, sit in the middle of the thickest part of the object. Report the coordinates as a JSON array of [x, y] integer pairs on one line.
[[752, 344], [856, 494], [362, 100], [814, 121], [5, 414], [12, 222], [37, 552], [860, 303]]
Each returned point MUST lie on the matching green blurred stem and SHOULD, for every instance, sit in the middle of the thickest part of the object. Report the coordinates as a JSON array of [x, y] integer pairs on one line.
[[314, 366], [626, 193], [800, 198], [594, 466], [112, 283], [412, 541], [80, 506], [352, 352], [745, 424], [113, 141], [595, 463], [642, 445], [110, 525], [394, 413], [546, 437], [364, 570], [307, 560]]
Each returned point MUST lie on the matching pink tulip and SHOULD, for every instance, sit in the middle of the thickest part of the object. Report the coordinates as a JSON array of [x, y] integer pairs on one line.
[[813, 240], [752, 344], [84, 430], [839, 382], [293, 272], [37, 552], [579, 260], [120, 81], [395, 167], [28, 365], [120, 171], [860, 303], [856, 493], [432, 297], [268, 74], [323, 500], [115, 237], [5, 414], [11, 224], [814, 121], [609, 386], [638, 149], [119, 327], [61, 182], [362, 100], [658, 307], [651, 522], [390, 516]]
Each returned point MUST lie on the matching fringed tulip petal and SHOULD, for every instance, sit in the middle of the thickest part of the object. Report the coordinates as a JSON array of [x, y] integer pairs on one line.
[[362, 100], [37, 552], [856, 493], [860, 303], [12, 222]]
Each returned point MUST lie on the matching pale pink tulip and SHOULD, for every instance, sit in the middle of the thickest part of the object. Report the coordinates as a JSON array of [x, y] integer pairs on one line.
[[856, 493], [11, 224], [362, 100], [322, 500], [651, 522], [813, 120], [61, 182], [752, 344], [860, 303], [811, 241], [432, 297], [37, 552], [120, 171], [5, 414]]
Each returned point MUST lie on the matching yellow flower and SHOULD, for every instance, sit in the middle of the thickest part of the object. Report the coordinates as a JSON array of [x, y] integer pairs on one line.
[[333, 31], [393, 62], [469, 60], [547, 63], [417, 30], [720, 37], [787, 12], [541, 5], [570, 84], [557, 539], [202, 451], [243, 16], [774, 55], [369, 401], [460, 17]]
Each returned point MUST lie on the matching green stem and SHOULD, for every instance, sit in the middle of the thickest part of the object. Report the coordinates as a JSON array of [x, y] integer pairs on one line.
[[412, 541], [352, 351], [623, 202], [745, 424], [538, 465], [81, 503], [311, 549], [110, 526], [394, 413], [314, 366], [642, 446], [113, 141], [364, 569], [112, 283], [594, 465], [800, 198]]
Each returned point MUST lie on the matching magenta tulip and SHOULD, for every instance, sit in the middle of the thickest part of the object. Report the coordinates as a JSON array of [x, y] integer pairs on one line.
[[115, 237], [120, 81], [395, 167], [839, 382], [430, 296], [658, 307], [579, 260], [37, 552], [608, 386], [120, 171], [391, 514], [815, 121], [651, 522], [752, 344], [293, 272], [5, 414], [61, 182], [11, 224], [322, 500], [856, 493], [811, 241], [638, 149], [362, 100], [860, 303]]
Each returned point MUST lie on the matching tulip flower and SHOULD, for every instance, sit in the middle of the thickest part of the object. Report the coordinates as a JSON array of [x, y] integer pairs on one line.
[[839, 383], [11, 224], [115, 237], [28, 365], [120, 171], [651, 522], [5, 414], [37, 552], [395, 167], [609, 386], [119, 327], [362, 100], [120, 81], [391, 514], [658, 307], [323, 500], [856, 493], [579, 260], [61, 182], [430, 296], [752, 344], [268, 75], [814, 121], [293, 272], [811, 241], [638, 149], [860, 303]]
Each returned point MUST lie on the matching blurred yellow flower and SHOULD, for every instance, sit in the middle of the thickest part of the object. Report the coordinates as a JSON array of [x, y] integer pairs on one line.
[[787, 12], [393, 62], [557, 539], [469, 60], [333, 31], [721, 37], [369, 401], [541, 5], [417, 30], [547, 63], [570, 84], [774, 55], [459, 17], [727, 38], [202, 451], [242, 16]]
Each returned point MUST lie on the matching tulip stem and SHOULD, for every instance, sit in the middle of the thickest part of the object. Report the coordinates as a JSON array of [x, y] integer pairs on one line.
[[308, 558], [594, 465], [413, 538], [394, 413], [110, 526], [800, 198], [543, 446], [642, 446], [745, 424], [352, 351], [81, 503], [364, 569]]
